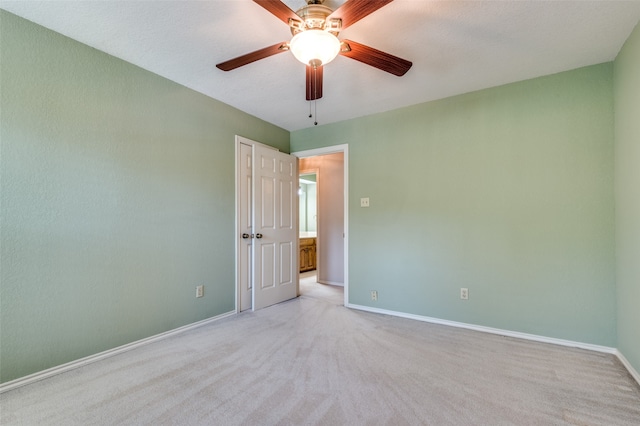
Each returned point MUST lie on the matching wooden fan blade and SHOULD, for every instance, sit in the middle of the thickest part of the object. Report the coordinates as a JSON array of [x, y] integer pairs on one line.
[[354, 10], [376, 58], [314, 82], [234, 63], [279, 10]]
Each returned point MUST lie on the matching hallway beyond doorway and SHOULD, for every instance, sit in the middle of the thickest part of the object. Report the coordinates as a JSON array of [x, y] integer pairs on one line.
[[309, 287]]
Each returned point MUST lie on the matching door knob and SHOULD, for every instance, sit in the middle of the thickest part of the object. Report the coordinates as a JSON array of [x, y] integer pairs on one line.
[[245, 236], [258, 236]]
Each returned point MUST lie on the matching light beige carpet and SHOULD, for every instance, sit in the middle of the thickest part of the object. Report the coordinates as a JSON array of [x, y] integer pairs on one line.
[[312, 361]]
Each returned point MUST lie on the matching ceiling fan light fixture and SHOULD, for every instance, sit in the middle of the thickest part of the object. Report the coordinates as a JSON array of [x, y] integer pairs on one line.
[[315, 45]]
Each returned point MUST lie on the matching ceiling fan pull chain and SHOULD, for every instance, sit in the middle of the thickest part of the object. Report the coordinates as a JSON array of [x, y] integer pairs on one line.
[[314, 84]]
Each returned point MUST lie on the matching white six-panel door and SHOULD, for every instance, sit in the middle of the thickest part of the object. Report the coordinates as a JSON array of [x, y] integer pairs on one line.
[[267, 259], [275, 209]]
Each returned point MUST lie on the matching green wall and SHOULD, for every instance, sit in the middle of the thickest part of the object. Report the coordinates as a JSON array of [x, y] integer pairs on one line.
[[507, 191], [627, 189], [117, 195], [117, 200]]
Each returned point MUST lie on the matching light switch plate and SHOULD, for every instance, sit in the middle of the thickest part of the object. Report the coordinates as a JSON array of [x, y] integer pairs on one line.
[[364, 202]]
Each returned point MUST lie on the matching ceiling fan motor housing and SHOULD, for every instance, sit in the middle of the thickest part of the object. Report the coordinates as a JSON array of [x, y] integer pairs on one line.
[[314, 17]]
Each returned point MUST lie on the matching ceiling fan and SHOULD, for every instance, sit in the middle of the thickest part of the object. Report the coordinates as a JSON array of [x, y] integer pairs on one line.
[[315, 42]]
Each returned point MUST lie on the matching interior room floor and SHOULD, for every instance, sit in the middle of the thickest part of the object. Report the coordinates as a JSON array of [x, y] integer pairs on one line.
[[311, 361]]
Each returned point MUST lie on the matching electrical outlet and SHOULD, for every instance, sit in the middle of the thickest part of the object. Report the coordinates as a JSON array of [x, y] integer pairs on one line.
[[374, 295], [200, 291], [464, 293]]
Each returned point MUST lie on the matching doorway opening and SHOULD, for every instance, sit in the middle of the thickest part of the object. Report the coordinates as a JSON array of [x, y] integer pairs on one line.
[[323, 222]]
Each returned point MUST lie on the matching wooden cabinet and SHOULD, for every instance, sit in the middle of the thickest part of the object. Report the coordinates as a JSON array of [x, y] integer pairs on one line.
[[307, 254]]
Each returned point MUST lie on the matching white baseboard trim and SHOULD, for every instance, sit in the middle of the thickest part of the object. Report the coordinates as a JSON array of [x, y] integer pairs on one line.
[[331, 283], [508, 333], [22, 381], [628, 366]]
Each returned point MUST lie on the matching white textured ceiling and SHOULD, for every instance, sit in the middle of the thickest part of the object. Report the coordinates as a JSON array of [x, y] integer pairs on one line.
[[455, 46]]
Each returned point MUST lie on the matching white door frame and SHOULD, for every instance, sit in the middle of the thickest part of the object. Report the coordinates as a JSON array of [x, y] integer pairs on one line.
[[344, 148]]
